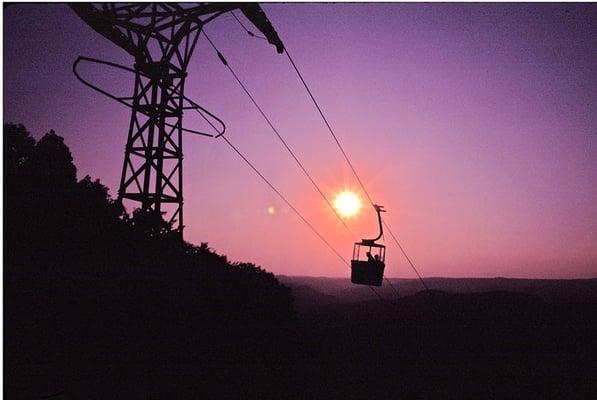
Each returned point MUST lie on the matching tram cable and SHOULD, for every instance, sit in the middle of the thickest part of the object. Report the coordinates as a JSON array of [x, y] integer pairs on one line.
[[278, 135], [325, 120], [297, 212], [284, 199], [250, 33], [412, 265]]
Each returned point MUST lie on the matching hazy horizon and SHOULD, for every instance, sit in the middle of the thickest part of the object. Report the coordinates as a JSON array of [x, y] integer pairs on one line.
[[474, 124]]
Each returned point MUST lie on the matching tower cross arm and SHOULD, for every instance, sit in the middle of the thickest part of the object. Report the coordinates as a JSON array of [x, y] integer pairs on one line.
[[104, 26], [252, 11], [256, 15]]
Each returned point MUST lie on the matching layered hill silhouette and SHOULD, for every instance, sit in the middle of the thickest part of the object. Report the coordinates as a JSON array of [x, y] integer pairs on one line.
[[438, 344], [317, 290]]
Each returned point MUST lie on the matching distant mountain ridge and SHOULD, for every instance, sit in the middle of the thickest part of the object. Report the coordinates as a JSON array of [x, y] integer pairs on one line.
[[308, 290]]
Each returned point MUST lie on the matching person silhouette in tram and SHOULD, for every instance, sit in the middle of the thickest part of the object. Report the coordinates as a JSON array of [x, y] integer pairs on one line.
[[370, 257]]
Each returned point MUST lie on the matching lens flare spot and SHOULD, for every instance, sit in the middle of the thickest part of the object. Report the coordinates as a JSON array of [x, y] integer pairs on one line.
[[271, 210], [347, 203]]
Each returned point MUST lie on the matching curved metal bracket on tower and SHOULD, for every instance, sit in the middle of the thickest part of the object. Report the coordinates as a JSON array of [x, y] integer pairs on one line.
[[127, 101]]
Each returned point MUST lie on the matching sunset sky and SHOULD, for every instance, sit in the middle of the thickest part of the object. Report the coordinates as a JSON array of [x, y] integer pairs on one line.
[[475, 125]]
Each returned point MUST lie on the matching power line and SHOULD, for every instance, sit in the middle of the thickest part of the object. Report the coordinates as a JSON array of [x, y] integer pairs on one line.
[[392, 286], [319, 235], [250, 164], [278, 135], [249, 32], [412, 265], [349, 162], [225, 62], [328, 125], [292, 61]]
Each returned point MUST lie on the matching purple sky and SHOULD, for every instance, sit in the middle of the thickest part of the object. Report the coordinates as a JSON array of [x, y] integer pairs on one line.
[[474, 124]]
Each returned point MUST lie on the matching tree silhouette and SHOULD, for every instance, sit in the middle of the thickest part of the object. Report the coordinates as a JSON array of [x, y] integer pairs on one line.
[[18, 146], [121, 282], [51, 163]]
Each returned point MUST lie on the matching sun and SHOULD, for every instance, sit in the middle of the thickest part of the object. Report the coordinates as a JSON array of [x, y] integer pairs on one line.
[[347, 203]]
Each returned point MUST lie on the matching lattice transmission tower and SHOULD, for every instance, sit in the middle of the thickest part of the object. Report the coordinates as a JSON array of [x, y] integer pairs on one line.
[[161, 37]]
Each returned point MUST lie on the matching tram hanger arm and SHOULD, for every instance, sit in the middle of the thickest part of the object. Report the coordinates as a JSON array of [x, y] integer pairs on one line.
[[379, 210]]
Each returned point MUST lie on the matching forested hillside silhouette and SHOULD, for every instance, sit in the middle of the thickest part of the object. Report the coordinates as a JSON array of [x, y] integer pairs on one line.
[[87, 285]]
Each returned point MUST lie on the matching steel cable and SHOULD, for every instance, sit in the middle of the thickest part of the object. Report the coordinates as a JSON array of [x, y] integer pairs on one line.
[[225, 62]]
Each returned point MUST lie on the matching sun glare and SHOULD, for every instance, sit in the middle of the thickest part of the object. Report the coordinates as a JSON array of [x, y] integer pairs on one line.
[[347, 203]]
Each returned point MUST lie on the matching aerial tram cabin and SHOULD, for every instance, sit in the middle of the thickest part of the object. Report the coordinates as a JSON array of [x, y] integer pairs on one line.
[[368, 258]]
